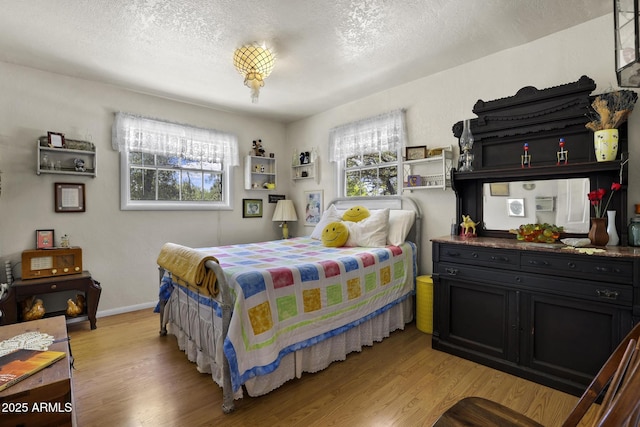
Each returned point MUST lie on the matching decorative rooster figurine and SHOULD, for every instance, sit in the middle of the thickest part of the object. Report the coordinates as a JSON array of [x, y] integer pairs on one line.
[[76, 307], [33, 311]]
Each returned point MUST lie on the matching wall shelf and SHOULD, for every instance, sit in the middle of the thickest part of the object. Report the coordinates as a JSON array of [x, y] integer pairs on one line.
[[259, 171], [305, 171], [62, 161], [433, 172]]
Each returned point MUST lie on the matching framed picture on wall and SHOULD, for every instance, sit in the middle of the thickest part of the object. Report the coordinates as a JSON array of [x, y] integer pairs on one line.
[[499, 188], [251, 208], [313, 207], [515, 207], [69, 197]]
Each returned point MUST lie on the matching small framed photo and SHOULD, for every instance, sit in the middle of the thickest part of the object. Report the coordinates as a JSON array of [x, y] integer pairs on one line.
[[414, 181], [499, 188], [69, 197], [313, 207], [273, 198], [416, 153], [44, 239], [56, 139], [251, 208], [515, 207]]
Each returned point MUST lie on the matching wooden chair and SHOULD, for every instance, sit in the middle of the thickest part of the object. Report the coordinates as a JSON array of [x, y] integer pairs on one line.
[[620, 405]]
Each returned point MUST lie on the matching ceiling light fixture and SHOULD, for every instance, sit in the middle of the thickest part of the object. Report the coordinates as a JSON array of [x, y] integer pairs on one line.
[[255, 63]]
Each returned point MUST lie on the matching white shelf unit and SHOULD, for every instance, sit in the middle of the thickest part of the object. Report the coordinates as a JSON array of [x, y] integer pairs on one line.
[[305, 171], [259, 171], [434, 171], [62, 161]]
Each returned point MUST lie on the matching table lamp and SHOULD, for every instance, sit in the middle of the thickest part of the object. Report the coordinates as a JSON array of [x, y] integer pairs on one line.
[[285, 211]]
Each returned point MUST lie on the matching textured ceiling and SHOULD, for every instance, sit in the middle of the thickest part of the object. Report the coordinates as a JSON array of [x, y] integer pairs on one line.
[[328, 52]]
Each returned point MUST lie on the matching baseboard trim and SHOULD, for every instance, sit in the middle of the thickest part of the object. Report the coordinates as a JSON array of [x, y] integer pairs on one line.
[[127, 309]]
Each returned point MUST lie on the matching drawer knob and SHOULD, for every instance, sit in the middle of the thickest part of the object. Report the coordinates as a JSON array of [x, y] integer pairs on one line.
[[452, 271], [571, 265], [54, 286], [475, 255], [534, 262], [607, 294]]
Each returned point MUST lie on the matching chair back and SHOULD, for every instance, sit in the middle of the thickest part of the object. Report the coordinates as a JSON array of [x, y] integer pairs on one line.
[[621, 373]]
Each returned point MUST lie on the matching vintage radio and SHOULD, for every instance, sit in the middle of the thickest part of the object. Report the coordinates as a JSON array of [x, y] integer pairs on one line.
[[51, 262]]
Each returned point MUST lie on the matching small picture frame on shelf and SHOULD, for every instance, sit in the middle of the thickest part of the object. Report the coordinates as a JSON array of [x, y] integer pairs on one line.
[[251, 208], [416, 153], [55, 139], [414, 181], [69, 197], [44, 239]]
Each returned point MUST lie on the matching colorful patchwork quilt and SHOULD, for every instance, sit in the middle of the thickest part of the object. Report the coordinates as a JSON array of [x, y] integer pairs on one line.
[[291, 294]]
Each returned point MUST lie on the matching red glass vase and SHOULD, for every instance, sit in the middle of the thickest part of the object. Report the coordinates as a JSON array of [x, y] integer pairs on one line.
[[598, 232]]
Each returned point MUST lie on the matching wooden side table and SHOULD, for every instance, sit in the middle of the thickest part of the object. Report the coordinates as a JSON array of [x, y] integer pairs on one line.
[[46, 397], [23, 289]]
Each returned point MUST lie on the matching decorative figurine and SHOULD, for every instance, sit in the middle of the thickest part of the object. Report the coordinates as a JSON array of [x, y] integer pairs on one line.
[[468, 226], [563, 155], [525, 159], [79, 165], [257, 149]]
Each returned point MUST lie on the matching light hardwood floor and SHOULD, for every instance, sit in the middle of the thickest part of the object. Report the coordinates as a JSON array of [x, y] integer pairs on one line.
[[128, 375]]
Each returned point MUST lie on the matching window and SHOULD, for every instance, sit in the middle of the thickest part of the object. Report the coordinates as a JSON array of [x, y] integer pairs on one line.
[[368, 155], [169, 166]]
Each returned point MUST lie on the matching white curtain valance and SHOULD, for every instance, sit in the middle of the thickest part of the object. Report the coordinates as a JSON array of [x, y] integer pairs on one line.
[[385, 132], [136, 133]]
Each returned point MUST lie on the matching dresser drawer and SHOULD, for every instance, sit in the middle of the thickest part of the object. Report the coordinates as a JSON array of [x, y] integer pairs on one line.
[[603, 292], [481, 256], [606, 270]]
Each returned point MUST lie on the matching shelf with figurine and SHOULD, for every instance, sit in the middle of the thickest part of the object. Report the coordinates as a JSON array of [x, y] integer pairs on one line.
[[57, 155], [259, 168], [429, 170], [305, 166]]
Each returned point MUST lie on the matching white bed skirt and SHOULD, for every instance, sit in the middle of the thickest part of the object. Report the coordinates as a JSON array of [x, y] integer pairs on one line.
[[191, 323]]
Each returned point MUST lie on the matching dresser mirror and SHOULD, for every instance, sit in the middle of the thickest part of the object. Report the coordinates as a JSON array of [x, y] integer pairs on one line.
[[563, 202], [502, 191]]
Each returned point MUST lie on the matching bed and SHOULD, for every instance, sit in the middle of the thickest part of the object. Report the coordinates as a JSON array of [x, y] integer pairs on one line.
[[257, 315]]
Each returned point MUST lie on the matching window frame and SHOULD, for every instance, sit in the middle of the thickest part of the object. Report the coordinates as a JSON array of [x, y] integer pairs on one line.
[[127, 204], [343, 170]]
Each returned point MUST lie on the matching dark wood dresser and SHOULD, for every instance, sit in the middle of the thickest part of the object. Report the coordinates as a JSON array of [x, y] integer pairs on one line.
[[538, 311]]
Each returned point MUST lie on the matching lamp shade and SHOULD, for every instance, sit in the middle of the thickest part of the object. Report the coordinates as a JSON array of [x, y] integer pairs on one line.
[[285, 211]]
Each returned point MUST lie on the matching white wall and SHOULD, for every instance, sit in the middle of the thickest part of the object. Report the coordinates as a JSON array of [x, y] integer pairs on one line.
[[119, 247], [436, 102]]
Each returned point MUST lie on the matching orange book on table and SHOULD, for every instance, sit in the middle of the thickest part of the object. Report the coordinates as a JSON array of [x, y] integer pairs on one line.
[[22, 363]]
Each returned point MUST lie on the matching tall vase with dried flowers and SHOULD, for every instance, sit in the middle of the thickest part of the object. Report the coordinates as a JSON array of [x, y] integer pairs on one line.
[[608, 112], [598, 232]]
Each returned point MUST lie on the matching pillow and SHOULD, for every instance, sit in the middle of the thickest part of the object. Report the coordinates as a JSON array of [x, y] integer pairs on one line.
[[400, 223], [335, 234], [328, 216], [370, 232]]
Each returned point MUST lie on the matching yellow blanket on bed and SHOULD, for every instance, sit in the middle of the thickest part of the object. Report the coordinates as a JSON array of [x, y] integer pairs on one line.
[[187, 265]]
